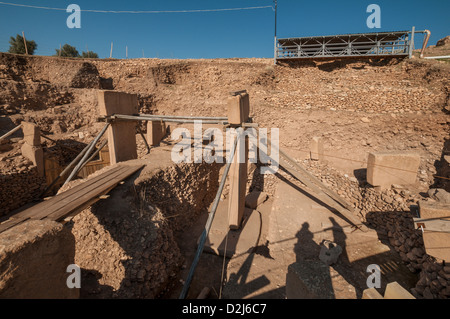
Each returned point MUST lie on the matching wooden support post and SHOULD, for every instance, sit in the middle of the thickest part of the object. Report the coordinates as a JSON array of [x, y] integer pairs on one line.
[[238, 113], [122, 134]]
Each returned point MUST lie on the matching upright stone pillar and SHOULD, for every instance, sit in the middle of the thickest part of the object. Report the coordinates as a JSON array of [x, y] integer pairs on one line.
[[32, 149], [156, 130], [121, 134], [238, 113]]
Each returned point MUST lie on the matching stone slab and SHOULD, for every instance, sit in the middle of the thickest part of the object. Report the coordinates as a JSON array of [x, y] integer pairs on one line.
[[155, 132], [433, 210], [316, 148], [309, 279], [31, 133], [371, 293], [395, 291], [122, 134], [239, 241], [34, 154], [437, 244], [393, 167]]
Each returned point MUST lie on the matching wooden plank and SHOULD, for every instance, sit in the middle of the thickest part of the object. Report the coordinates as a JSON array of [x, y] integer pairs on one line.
[[93, 194], [11, 223], [81, 191], [63, 215], [65, 196]]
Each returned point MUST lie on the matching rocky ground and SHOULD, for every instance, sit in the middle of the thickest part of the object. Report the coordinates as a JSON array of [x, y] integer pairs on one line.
[[357, 107]]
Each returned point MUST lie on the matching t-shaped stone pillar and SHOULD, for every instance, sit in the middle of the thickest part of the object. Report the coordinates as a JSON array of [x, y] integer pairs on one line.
[[238, 113], [121, 134], [31, 147]]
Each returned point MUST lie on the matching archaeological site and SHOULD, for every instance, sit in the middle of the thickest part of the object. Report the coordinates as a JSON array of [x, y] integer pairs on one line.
[[234, 178]]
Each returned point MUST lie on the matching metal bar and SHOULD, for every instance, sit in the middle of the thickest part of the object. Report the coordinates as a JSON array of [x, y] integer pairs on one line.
[[95, 153], [169, 120], [438, 57], [64, 172], [184, 117], [145, 140], [89, 150], [208, 224], [11, 132]]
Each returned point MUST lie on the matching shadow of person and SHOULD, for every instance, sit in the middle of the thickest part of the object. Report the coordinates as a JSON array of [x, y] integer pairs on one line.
[[308, 277]]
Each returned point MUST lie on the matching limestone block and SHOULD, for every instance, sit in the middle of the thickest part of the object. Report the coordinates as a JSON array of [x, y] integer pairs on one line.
[[254, 199], [395, 291], [371, 293], [434, 210], [34, 257], [395, 167], [31, 133], [238, 182], [238, 108], [155, 132], [437, 244], [36, 155], [121, 134], [316, 148]]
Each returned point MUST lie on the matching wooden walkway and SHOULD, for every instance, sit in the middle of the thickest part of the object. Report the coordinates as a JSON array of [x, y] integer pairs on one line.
[[74, 200]]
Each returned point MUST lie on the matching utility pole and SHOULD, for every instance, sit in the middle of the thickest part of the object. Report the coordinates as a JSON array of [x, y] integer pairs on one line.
[[275, 37], [25, 42], [110, 54]]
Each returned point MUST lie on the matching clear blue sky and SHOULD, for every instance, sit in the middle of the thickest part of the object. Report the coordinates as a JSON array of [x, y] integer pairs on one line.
[[246, 33]]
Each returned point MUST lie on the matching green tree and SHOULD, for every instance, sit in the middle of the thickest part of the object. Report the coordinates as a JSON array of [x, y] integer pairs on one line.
[[17, 45], [89, 54], [68, 51]]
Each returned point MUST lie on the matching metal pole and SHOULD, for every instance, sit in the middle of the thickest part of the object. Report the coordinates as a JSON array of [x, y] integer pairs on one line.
[[11, 132], [94, 154], [88, 152], [64, 172], [185, 117], [170, 120], [411, 42], [275, 37], [208, 225]]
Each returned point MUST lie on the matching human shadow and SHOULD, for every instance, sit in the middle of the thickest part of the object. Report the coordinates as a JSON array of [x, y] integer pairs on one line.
[[442, 176], [308, 277]]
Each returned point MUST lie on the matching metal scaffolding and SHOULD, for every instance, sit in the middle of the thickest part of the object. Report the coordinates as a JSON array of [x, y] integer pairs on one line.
[[381, 44]]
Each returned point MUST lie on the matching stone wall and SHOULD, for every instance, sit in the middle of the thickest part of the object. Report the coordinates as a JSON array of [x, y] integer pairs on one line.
[[19, 187]]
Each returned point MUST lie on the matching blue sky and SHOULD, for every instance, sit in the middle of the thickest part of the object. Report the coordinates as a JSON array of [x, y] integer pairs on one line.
[[245, 33]]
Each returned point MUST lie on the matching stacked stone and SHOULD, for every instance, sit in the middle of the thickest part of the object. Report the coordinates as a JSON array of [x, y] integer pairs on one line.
[[389, 213], [19, 188]]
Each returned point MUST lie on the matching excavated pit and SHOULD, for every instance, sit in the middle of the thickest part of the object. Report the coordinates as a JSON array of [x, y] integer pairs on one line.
[[126, 245]]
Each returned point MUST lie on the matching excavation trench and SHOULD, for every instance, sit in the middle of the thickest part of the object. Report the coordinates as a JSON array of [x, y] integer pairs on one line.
[[126, 245]]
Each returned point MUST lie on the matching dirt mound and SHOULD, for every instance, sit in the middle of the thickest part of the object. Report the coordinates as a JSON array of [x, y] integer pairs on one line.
[[444, 41]]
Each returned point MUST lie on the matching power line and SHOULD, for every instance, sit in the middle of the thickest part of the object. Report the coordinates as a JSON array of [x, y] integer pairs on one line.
[[153, 11]]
